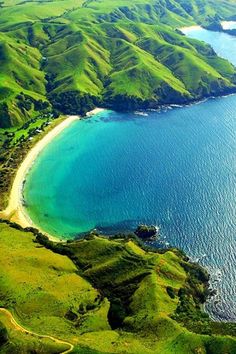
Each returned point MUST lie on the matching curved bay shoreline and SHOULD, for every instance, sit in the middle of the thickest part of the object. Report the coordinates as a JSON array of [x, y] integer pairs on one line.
[[15, 211], [27, 220]]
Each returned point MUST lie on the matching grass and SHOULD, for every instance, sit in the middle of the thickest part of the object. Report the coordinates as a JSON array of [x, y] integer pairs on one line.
[[106, 296], [112, 298], [15, 142], [26, 342], [114, 51], [45, 286]]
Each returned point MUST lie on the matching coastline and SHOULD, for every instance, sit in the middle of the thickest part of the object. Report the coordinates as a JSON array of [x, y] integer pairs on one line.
[[226, 24], [15, 210], [190, 28], [95, 111]]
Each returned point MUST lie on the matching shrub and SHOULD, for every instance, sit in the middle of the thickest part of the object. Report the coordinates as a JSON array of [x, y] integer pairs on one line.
[[3, 334]]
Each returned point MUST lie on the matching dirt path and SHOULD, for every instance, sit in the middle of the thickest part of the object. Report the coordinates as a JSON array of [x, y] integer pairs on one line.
[[24, 330]]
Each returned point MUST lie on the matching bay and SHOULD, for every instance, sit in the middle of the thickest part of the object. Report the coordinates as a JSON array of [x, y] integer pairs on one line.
[[175, 168]]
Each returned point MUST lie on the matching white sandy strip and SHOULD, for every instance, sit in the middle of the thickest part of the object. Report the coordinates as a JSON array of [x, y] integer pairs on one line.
[[95, 111], [15, 210], [228, 25], [190, 28]]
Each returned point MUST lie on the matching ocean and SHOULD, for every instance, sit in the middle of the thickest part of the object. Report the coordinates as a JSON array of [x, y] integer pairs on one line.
[[174, 167]]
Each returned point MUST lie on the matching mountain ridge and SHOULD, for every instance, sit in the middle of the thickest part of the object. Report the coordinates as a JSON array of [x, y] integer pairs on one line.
[[58, 57], [119, 297]]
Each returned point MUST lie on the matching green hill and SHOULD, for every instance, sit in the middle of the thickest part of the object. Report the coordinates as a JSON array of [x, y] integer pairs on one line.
[[66, 56], [103, 296]]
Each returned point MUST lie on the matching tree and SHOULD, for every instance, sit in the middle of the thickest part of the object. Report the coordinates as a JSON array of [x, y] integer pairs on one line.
[[3, 334]]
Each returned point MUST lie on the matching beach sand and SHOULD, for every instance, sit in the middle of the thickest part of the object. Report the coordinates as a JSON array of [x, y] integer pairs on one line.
[[15, 210], [228, 24], [190, 28], [94, 111]]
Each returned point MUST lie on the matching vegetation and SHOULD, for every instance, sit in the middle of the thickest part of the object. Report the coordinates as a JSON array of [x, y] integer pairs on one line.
[[101, 295], [66, 56], [215, 25], [146, 231], [3, 335], [106, 296], [15, 142], [16, 341]]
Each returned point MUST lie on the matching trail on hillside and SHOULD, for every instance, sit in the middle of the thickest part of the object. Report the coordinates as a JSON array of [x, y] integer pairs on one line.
[[24, 330]]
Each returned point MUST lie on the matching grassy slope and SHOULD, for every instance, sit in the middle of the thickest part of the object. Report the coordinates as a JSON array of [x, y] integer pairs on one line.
[[109, 49], [47, 286], [21, 342], [16, 76]]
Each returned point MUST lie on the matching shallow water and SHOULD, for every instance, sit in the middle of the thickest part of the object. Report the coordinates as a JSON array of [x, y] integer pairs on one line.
[[175, 168]]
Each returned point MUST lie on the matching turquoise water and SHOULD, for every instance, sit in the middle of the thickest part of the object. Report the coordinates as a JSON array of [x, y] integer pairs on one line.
[[175, 168]]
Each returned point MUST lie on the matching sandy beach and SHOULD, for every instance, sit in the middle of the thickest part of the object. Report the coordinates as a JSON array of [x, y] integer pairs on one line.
[[190, 28], [94, 111], [15, 210], [228, 24]]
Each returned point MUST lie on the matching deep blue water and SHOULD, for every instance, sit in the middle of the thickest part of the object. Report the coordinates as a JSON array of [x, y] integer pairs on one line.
[[175, 168]]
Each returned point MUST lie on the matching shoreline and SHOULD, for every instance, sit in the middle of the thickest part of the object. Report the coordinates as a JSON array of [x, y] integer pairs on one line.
[[15, 210], [190, 28], [95, 111], [226, 24]]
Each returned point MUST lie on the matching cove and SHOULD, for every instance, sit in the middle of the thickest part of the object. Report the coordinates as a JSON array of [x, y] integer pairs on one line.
[[175, 168]]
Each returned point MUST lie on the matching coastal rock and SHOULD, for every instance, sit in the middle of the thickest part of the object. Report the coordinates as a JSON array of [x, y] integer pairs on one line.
[[214, 26], [145, 231]]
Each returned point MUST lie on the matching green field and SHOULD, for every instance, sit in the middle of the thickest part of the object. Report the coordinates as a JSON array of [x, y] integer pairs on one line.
[[114, 297], [68, 56]]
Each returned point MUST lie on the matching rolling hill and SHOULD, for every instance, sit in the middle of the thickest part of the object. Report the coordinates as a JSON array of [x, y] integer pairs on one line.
[[67, 56], [103, 296]]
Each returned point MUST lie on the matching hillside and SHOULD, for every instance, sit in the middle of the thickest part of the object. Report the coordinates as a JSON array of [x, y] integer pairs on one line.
[[66, 56], [103, 296]]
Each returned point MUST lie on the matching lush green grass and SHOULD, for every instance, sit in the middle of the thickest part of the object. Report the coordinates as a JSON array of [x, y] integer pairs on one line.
[[26, 343], [15, 142], [44, 286], [114, 297], [115, 51]]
